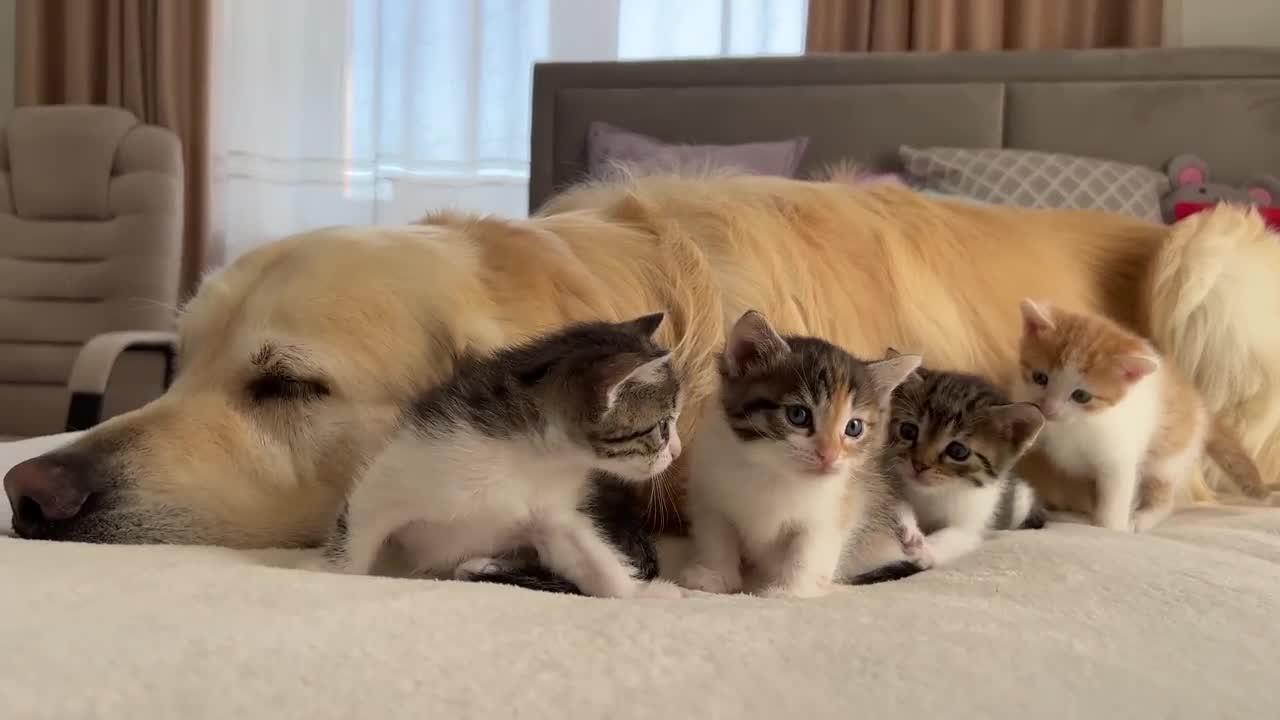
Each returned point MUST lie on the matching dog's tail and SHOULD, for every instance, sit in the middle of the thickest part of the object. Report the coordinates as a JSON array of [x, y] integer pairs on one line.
[[1210, 295], [1224, 449]]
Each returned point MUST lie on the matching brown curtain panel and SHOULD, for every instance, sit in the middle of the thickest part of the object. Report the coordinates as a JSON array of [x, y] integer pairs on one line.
[[902, 25], [150, 57]]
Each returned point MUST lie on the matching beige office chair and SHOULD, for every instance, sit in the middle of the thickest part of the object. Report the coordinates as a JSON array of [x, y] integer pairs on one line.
[[90, 246]]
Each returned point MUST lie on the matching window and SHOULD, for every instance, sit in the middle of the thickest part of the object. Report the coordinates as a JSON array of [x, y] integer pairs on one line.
[[375, 111]]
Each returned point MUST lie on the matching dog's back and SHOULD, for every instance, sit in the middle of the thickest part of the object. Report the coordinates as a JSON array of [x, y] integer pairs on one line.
[[363, 318]]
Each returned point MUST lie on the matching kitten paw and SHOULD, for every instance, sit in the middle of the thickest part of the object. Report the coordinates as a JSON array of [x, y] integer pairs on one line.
[[916, 546], [1115, 523], [1144, 521], [701, 577], [659, 589], [797, 590]]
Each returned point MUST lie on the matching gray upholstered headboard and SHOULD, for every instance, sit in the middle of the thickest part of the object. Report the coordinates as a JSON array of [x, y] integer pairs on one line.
[[1141, 106]]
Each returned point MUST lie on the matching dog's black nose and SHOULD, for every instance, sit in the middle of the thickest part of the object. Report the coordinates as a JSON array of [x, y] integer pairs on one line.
[[44, 494]]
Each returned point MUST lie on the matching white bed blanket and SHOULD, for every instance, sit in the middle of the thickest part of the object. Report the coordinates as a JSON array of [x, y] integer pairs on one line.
[[1068, 622]]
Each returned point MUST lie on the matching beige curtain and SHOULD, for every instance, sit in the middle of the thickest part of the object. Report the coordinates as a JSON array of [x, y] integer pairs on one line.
[[148, 56], [901, 25]]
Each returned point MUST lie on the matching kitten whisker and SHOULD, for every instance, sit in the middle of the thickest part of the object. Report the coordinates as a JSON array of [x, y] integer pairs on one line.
[[526, 402], [842, 528], [658, 492], [652, 503]]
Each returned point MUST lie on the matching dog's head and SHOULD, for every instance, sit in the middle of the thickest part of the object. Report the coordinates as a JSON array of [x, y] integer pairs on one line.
[[294, 364]]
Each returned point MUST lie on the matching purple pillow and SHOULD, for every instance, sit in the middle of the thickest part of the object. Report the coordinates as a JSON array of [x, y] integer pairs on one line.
[[609, 146]]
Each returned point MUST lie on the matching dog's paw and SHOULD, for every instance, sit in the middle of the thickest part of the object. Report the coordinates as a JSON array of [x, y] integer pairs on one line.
[[701, 577]]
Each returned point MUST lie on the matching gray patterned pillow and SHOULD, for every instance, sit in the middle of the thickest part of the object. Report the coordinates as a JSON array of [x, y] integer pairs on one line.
[[1026, 178], [609, 146]]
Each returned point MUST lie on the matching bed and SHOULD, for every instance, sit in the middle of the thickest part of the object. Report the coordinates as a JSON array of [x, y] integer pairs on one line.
[[1068, 622]]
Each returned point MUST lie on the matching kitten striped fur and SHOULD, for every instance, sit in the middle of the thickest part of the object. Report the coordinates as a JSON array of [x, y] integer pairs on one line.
[[786, 492], [954, 442], [514, 453]]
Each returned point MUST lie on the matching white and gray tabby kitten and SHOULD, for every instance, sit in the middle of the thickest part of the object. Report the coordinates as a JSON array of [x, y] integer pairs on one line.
[[954, 442], [505, 456], [786, 491]]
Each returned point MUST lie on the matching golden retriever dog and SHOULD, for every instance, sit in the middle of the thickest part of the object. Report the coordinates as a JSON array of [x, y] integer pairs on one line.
[[296, 359]]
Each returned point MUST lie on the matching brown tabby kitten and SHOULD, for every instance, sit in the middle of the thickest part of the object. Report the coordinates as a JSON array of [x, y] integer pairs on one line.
[[954, 442]]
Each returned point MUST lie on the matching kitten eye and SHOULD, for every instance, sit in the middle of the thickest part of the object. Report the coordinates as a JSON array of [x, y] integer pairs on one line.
[[799, 416], [853, 428], [1081, 396], [908, 431], [1039, 378], [957, 451]]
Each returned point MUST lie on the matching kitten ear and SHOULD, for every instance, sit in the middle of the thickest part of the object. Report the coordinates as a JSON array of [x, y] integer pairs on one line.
[[890, 373], [1137, 366], [645, 325], [631, 369], [892, 353], [1018, 423], [1036, 317], [750, 341]]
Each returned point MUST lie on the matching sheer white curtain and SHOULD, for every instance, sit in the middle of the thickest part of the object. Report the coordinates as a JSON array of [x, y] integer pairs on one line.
[[374, 111]]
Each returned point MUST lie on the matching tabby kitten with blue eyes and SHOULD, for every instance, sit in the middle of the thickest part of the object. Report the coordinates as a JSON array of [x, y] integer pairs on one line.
[[786, 493], [953, 443], [505, 456]]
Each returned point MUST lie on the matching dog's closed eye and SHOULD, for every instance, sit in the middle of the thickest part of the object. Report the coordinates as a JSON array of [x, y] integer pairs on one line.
[[265, 388]]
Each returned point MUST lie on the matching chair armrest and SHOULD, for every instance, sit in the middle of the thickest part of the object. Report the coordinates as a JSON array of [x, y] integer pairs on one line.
[[93, 366]]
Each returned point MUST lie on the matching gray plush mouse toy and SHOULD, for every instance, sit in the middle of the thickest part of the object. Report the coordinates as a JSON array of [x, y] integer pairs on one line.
[[1189, 177]]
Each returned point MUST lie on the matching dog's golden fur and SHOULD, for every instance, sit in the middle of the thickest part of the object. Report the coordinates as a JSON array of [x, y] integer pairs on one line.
[[379, 314], [1216, 294]]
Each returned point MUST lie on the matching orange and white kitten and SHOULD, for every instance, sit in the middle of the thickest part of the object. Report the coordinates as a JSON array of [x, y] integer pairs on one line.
[[1120, 414]]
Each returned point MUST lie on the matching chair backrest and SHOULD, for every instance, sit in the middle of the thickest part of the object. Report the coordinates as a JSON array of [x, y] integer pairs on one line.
[[90, 242]]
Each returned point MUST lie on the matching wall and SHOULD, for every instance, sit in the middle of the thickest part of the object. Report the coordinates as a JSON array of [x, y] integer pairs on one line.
[[1222, 22], [6, 58]]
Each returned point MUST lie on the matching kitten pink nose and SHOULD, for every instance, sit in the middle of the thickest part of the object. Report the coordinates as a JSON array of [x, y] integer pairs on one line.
[[1049, 410], [918, 466], [673, 445], [827, 458]]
